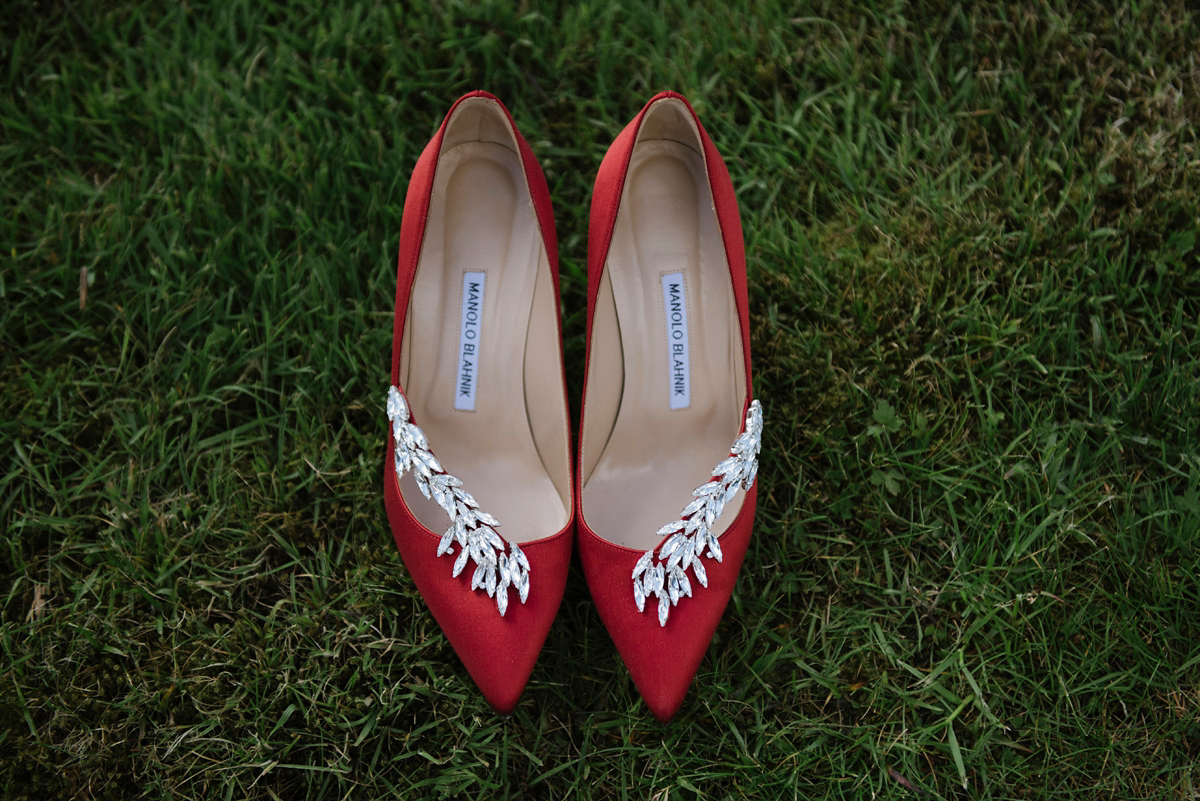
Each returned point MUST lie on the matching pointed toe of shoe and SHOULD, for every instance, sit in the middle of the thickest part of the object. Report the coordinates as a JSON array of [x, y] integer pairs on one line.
[[662, 682], [663, 700], [662, 659], [498, 651]]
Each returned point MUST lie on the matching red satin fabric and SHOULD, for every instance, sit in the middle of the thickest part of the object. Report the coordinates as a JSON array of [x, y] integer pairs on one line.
[[498, 652]]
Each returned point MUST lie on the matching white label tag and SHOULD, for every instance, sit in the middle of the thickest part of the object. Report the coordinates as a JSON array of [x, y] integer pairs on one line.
[[679, 379], [469, 340]]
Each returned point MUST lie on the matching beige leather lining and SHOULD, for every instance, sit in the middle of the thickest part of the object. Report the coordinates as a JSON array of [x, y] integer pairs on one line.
[[606, 376], [641, 459], [511, 451]]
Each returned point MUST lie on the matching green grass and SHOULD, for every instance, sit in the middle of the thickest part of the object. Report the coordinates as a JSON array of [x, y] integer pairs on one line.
[[972, 234]]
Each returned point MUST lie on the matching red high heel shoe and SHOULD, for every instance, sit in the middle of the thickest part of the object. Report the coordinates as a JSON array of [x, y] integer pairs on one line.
[[669, 436], [484, 527]]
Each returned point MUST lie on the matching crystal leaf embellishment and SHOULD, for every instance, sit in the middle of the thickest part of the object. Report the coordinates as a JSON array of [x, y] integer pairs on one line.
[[472, 530], [691, 538]]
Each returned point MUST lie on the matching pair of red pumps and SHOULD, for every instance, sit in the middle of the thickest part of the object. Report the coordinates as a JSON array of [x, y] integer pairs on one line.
[[663, 493]]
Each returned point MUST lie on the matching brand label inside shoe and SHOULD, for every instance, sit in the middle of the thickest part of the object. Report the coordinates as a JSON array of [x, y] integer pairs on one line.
[[679, 379], [469, 341]]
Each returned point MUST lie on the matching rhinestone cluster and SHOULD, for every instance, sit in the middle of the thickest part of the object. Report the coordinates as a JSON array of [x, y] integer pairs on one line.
[[471, 528], [688, 536]]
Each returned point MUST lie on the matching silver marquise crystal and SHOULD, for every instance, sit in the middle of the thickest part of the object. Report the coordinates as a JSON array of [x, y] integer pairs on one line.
[[662, 572], [471, 529]]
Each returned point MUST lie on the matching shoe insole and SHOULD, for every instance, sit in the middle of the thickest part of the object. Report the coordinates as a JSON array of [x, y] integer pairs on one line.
[[482, 225], [657, 455]]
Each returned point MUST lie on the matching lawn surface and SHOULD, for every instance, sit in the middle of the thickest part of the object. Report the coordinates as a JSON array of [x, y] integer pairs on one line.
[[975, 286]]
